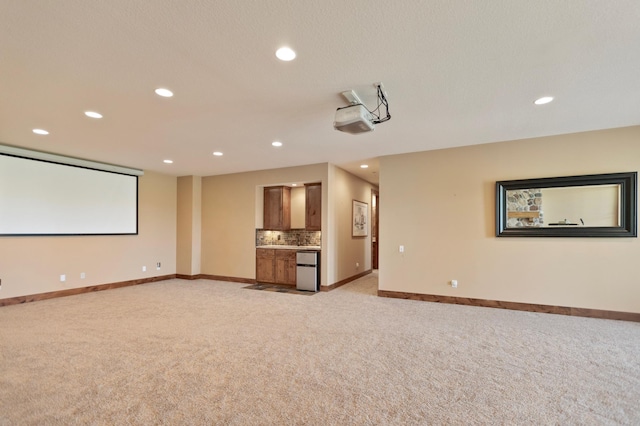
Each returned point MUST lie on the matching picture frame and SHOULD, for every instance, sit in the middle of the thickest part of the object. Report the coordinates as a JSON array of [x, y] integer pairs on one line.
[[359, 219]]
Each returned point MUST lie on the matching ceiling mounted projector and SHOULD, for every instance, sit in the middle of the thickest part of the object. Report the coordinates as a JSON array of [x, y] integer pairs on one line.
[[353, 119], [356, 118]]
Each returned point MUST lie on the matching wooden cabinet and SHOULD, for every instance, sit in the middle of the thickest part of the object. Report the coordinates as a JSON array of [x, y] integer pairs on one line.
[[276, 266], [313, 207], [286, 267], [265, 265], [277, 208]]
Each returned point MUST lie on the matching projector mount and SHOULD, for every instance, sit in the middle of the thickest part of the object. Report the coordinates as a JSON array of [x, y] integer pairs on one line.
[[357, 118], [353, 99]]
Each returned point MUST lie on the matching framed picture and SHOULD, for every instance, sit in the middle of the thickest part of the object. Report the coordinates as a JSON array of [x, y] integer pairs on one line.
[[360, 219]]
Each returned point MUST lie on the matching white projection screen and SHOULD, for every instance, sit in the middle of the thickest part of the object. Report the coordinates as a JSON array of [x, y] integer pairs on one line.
[[45, 198]]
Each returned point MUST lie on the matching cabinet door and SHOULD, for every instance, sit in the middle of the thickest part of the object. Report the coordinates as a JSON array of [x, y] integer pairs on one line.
[[313, 209], [281, 270], [291, 269], [272, 207], [286, 267], [265, 266], [277, 208], [286, 208]]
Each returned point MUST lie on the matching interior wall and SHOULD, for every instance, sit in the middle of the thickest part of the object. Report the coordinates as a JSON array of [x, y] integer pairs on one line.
[[184, 238], [196, 242], [330, 258], [231, 211], [189, 226], [441, 206], [298, 203], [33, 265], [228, 227]]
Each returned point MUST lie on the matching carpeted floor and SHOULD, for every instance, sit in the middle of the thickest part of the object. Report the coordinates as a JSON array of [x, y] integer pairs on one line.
[[279, 289], [207, 352]]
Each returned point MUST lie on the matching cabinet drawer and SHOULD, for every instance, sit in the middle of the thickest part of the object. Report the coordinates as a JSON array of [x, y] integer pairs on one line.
[[262, 253]]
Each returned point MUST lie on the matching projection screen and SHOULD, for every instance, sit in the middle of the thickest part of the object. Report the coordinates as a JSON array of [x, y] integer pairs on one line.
[[48, 198]]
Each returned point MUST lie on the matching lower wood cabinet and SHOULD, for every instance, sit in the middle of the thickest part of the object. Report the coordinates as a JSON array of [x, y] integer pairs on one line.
[[266, 265], [286, 267], [276, 266]]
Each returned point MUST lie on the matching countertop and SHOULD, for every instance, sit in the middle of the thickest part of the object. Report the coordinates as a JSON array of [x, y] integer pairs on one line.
[[282, 247]]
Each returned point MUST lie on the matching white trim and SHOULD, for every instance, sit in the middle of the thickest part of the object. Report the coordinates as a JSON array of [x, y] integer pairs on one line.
[[54, 158]]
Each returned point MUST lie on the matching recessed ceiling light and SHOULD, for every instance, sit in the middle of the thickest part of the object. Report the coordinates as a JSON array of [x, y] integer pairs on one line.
[[165, 93], [285, 54], [276, 144], [40, 132], [294, 184], [217, 154], [543, 100], [93, 114], [364, 166], [168, 161]]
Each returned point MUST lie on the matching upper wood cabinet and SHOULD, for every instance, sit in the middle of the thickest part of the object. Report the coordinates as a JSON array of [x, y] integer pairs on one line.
[[313, 207], [277, 208]]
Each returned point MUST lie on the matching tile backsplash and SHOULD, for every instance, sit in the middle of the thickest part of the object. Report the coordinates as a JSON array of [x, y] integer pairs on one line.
[[294, 237]]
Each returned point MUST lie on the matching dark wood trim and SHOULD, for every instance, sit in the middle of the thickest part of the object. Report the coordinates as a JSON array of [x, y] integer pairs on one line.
[[343, 282], [216, 278], [549, 309], [187, 277], [81, 290], [223, 278]]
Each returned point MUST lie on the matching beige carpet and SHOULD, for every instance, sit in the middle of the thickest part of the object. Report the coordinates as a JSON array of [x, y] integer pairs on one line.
[[206, 352]]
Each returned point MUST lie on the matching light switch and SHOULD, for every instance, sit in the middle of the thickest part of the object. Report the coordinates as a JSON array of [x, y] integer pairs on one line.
[[401, 249]]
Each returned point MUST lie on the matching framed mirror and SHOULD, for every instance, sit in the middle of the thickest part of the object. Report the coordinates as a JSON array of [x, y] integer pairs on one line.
[[570, 206]]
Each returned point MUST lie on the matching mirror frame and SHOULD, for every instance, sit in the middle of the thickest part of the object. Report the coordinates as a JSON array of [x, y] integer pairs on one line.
[[628, 207]]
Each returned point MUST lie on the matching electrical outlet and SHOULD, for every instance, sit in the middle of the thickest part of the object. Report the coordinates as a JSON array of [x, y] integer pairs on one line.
[[454, 283], [144, 269], [83, 275], [401, 249], [357, 265], [63, 278], [158, 265]]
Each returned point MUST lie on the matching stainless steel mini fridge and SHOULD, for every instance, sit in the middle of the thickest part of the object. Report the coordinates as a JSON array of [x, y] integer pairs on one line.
[[308, 270]]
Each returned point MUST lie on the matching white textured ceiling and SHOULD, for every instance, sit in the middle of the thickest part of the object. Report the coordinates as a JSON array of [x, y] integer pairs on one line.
[[456, 73]]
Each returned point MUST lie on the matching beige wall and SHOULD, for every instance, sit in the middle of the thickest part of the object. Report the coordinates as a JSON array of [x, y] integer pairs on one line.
[[32, 265], [231, 211], [189, 225], [441, 206], [298, 203]]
